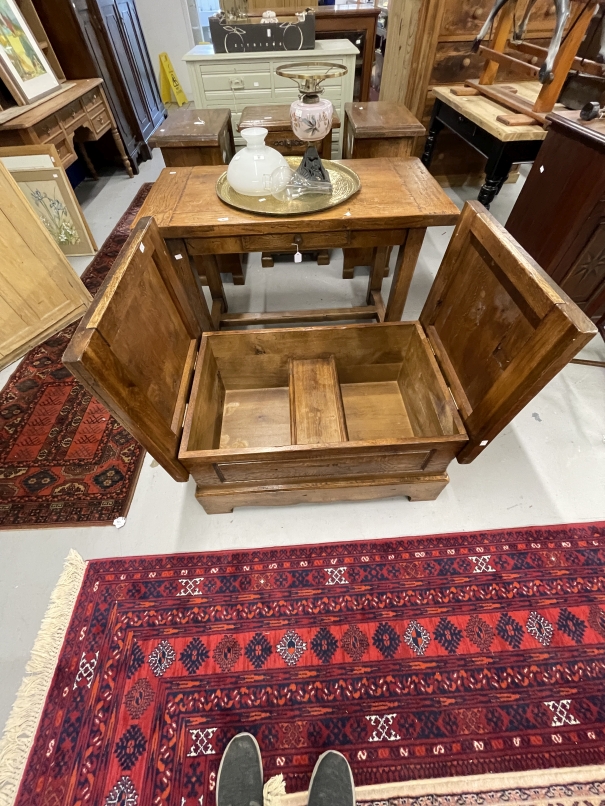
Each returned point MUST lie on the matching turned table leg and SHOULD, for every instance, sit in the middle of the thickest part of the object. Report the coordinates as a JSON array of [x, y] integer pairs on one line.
[[497, 170], [120, 146], [404, 271], [435, 127]]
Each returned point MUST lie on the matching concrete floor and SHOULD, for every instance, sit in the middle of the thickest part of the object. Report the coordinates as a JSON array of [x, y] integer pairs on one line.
[[547, 467]]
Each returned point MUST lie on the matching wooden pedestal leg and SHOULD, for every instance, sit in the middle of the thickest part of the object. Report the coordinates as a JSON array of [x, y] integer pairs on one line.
[[81, 147], [209, 265], [377, 272], [323, 257], [404, 271], [356, 256], [435, 127], [232, 264], [267, 260]]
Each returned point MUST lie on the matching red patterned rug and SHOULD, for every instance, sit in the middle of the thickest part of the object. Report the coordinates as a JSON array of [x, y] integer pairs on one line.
[[63, 459], [417, 658]]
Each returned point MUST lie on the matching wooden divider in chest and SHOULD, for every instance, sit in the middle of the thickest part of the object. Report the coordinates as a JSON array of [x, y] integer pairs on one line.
[[348, 412]]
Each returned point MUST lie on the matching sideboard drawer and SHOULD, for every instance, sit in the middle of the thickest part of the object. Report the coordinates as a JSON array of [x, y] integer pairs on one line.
[[237, 101], [233, 66], [237, 83], [304, 240]]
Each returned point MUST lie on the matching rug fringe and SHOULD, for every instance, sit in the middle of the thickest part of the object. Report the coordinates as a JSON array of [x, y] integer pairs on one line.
[[18, 736]]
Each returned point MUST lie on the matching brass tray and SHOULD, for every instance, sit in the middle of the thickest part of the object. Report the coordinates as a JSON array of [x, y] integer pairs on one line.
[[344, 181]]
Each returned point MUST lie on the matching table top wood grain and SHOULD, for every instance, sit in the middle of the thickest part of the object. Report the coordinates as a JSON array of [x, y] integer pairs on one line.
[[191, 127], [369, 119], [395, 194], [483, 111]]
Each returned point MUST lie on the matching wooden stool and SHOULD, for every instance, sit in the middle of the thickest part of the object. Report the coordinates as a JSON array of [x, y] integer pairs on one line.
[[379, 129], [376, 129], [190, 137], [276, 119]]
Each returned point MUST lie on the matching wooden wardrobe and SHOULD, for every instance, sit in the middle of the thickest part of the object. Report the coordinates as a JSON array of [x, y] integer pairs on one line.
[[428, 44], [104, 38]]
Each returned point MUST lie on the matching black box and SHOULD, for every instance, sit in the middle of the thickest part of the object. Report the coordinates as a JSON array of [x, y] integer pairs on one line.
[[257, 37]]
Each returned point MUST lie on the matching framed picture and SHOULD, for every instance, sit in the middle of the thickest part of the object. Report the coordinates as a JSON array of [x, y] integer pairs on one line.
[[40, 176], [23, 67]]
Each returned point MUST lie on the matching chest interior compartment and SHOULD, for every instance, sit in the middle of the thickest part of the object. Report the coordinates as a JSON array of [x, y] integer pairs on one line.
[[344, 412]]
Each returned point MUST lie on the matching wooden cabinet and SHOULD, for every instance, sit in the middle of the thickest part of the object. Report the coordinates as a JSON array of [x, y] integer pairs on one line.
[[238, 80], [564, 196], [348, 412], [104, 38], [40, 293]]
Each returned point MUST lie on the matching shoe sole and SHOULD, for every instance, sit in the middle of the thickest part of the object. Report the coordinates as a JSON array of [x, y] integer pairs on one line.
[[220, 768], [338, 753]]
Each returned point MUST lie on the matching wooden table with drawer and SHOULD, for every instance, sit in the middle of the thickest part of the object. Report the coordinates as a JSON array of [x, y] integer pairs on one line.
[[77, 114], [474, 118], [398, 200]]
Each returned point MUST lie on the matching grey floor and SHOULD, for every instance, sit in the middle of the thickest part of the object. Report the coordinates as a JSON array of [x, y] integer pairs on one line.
[[547, 467]]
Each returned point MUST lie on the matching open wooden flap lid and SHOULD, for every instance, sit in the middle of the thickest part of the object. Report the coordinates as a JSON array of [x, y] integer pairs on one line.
[[500, 328], [135, 349]]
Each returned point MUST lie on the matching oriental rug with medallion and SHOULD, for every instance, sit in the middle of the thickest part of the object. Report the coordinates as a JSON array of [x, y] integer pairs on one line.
[[429, 657], [64, 460]]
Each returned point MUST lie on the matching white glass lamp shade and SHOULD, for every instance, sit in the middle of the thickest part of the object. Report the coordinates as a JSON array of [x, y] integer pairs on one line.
[[249, 172]]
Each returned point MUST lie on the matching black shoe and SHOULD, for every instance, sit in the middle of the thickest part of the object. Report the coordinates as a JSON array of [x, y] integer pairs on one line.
[[240, 775], [332, 781]]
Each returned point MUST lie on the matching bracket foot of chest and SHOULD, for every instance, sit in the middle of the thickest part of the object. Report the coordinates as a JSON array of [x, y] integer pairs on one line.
[[416, 488]]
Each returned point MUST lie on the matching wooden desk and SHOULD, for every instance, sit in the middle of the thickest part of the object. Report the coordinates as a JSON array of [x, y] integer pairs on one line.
[[78, 114], [195, 137], [398, 200], [351, 18], [474, 119], [559, 216]]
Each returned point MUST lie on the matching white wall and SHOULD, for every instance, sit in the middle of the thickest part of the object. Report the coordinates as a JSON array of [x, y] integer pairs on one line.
[[167, 29]]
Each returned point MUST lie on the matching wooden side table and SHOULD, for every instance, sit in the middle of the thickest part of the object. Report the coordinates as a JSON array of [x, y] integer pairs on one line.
[[397, 201], [195, 137], [376, 129], [76, 114], [276, 119], [475, 119], [191, 137], [379, 129]]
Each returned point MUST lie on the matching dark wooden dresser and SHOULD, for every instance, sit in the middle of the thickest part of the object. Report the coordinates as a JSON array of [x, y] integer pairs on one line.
[[559, 217], [104, 38]]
